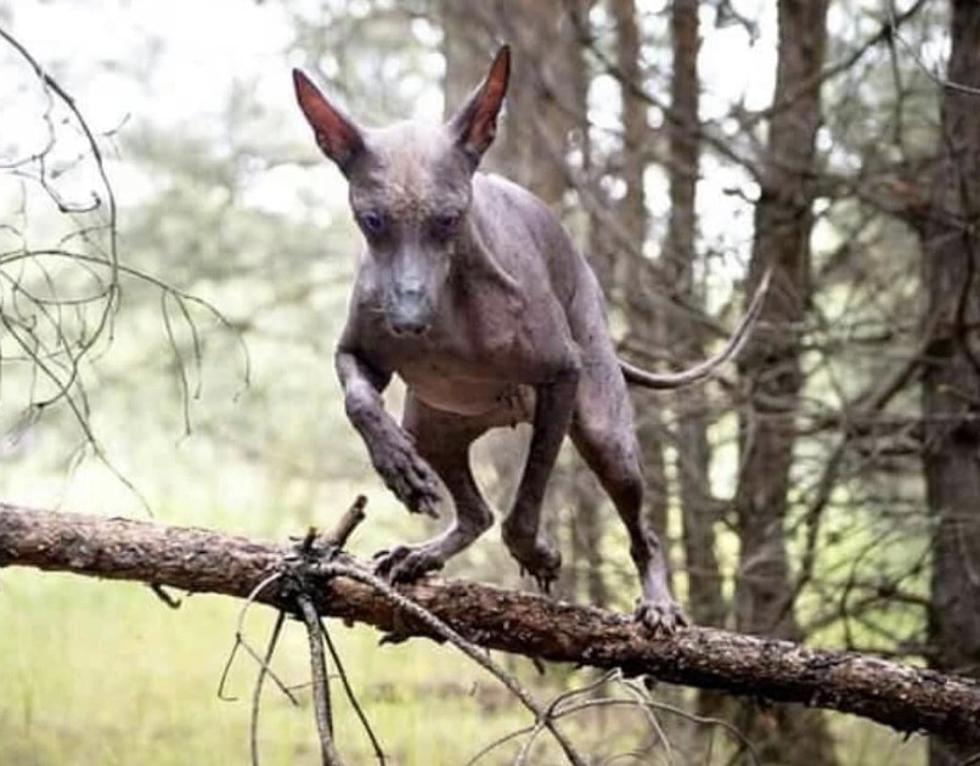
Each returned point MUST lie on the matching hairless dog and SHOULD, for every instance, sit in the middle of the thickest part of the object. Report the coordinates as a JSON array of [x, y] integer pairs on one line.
[[470, 289]]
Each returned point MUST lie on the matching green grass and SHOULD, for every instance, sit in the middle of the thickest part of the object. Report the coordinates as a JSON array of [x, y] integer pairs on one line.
[[103, 673]]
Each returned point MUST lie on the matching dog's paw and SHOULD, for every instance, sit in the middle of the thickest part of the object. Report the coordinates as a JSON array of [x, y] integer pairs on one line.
[[539, 559], [661, 618], [406, 474], [406, 563]]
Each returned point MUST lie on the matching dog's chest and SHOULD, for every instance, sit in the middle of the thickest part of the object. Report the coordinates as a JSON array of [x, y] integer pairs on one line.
[[472, 361], [464, 385], [504, 403]]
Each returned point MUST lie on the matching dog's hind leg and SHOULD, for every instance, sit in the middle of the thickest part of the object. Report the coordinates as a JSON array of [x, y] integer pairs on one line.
[[443, 439], [604, 434]]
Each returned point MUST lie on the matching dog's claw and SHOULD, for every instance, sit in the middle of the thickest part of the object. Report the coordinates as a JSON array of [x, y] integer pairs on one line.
[[544, 583], [405, 563], [540, 561], [661, 618]]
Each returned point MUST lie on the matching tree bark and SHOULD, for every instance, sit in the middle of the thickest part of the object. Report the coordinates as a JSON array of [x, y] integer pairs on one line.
[[645, 323], [771, 368], [698, 508], [589, 502], [200, 560], [951, 384]]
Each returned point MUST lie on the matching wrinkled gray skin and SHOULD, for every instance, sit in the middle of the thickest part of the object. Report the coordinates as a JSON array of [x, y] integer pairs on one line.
[[472, 292]]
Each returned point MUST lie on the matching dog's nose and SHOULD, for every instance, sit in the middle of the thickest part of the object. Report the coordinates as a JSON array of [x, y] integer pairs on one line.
[[409, 311], [409, 326]]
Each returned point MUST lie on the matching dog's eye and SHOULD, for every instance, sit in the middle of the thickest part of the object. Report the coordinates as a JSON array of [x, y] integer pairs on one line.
[[444, 223], [372, 222]]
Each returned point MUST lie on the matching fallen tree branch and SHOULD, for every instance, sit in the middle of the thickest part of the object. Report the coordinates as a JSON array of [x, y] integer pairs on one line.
[[905, 698]]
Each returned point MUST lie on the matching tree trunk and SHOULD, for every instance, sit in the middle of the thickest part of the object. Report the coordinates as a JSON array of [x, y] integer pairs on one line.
[[951, 383], [644, 322], [588, 525], [770, 367], [699, 510], [540, 114]]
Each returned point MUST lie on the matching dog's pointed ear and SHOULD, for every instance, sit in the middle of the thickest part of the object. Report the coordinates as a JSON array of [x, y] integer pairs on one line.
[[475, 124], [336, 135]]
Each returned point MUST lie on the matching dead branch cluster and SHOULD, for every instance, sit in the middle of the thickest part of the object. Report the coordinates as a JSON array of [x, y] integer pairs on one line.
[[60, 298]]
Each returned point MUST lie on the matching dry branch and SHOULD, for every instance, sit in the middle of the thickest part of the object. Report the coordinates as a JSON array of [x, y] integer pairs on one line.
[[905, 698]]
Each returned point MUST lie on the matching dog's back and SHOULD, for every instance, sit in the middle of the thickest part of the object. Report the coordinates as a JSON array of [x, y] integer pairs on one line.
[[528, 239], [530, 243]]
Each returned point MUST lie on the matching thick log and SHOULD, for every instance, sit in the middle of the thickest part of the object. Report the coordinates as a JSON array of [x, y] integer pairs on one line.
[[906, 698]]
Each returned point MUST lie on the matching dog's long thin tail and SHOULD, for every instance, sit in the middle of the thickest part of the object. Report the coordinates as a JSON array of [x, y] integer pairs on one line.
[[665, 381]]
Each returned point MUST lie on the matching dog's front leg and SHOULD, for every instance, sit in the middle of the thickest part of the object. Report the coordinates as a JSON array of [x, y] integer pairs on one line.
[[554, 404], [392, 450]]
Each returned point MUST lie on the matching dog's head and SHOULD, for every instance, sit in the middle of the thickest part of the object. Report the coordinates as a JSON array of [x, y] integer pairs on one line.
[[410, 189]]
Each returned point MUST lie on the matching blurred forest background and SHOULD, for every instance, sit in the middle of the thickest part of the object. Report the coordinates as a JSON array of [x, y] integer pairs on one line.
[[172, 352]]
